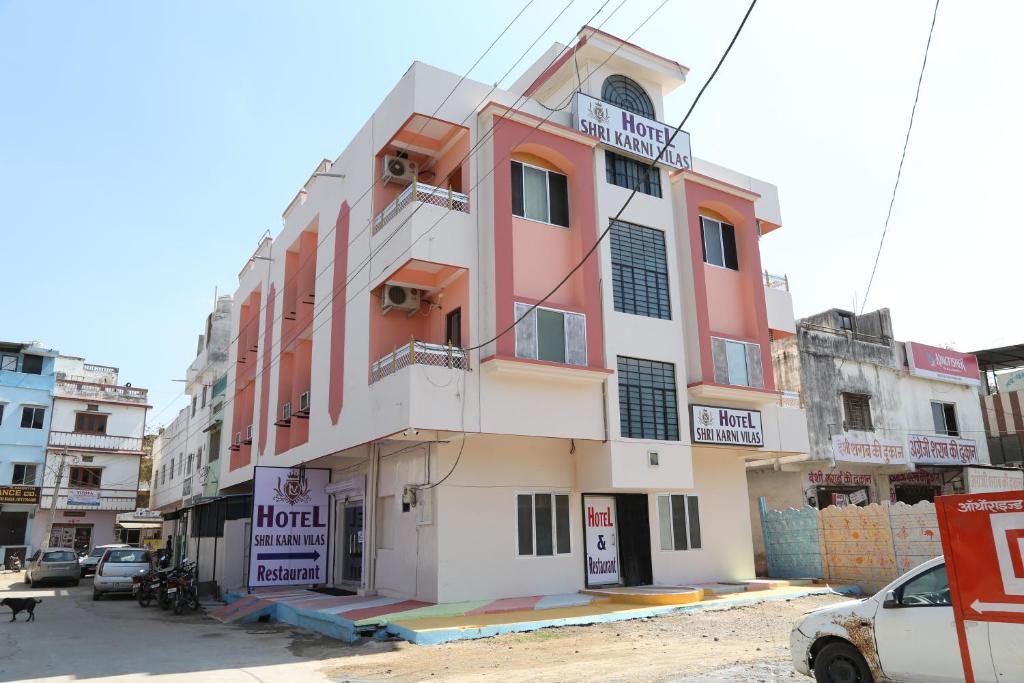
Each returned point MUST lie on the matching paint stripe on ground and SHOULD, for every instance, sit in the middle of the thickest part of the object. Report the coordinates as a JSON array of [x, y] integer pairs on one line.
[[508, 605], [564, 600], [375, 601], [366, 614]]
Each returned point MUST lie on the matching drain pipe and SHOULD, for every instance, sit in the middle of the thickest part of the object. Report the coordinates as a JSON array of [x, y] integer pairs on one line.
[[370, 521]]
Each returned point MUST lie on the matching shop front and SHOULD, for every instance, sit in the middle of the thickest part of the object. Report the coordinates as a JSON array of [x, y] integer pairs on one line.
[[18, 505]]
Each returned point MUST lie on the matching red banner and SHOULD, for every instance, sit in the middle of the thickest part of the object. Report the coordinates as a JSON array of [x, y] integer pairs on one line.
[[935, 363]]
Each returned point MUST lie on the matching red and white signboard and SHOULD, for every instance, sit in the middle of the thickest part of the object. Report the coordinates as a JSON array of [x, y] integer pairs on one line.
[[932, 362], [983, 543], [602, 549]]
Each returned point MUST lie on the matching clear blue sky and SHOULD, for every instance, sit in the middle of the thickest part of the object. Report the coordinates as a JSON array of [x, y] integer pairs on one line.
[[145, 147]]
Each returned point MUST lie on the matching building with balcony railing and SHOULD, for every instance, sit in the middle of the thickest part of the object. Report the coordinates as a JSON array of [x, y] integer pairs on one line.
[[95, 445], [477, 376], [26, 407]]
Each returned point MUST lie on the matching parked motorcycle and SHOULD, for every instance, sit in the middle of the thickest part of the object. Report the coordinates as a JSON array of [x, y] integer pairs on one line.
[[16, 563], [184, 588], [147, 585]]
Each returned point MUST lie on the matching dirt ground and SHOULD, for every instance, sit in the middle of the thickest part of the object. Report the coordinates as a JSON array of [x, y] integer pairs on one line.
[[741, 644]]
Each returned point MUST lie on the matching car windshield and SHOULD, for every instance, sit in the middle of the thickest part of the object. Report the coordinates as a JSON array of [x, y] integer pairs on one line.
[[97, 552], [59, 556], [128, 556]]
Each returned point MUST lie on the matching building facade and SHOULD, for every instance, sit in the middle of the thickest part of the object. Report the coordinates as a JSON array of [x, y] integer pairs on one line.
[[95, 444], [887, 420], [482, 448], [26, 407]]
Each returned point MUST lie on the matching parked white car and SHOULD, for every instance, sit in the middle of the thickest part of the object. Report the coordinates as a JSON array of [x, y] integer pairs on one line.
[[905, 632], [116, 568]]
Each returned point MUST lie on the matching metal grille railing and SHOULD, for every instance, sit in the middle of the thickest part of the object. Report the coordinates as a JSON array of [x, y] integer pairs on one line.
[[421, 192], [791, 399], [772, 281], [419, 353]]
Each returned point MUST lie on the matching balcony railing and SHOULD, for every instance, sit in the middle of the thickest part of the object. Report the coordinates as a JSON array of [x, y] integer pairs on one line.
[[791, 399], [107, 392], [97, 442], [772, 281], [421, 192], [419, 353]]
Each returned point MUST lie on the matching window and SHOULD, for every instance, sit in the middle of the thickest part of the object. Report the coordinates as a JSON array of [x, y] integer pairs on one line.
[[629, 173], [737, 363], [944, 416], [2, 413], [172, 470], [188, 470], [542, 524], [9, 363], [857, 411], [930, 589], [128, 556], [59, 556], [181, 463], [624, 92], [33, 365], [640, 271], [194, 406], [214, 444], [85, 477], [24, 475], [845, 321], [647, 399], [204, 396], [32, 417], [453, 327], [91, 423], [719, 243], [540, 194], [679, 521], [555, 336], [163, 474]]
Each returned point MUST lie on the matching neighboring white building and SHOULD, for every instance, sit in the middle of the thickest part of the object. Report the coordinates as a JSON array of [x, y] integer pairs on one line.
[[99, 424], [486, 473]]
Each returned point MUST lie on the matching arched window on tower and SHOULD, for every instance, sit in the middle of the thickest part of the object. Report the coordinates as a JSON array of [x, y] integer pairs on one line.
[[624, 92]]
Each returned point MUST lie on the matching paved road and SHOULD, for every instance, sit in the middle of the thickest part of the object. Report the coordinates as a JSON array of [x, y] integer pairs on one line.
[[74, 638]]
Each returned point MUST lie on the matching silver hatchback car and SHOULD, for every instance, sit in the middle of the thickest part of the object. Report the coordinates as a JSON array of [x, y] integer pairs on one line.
[[53, 564]]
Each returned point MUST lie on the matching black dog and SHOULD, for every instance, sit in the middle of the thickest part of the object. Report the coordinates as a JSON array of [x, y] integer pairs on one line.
[[21, 604]]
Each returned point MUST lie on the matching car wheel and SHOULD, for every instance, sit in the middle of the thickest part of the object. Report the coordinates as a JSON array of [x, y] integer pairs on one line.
[[841, 663], [74, 582], [28, 580], [95, 594]]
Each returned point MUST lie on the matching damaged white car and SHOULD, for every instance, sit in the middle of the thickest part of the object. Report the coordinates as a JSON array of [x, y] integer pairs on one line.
[[905, 632]]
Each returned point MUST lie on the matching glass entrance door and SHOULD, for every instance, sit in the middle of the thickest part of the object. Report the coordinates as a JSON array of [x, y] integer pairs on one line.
[[352, 543]]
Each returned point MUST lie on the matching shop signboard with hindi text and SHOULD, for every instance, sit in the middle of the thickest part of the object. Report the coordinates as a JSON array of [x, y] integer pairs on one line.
[[989, 480], [288, 545], [868, 449], [932, 362], [633, 133], [942, 450]]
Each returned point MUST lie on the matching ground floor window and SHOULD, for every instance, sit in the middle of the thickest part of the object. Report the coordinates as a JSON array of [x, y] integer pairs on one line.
[[542, 524], [679, 521]]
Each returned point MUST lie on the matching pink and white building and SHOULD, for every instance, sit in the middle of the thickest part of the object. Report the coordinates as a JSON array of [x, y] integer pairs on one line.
[[604, 438]]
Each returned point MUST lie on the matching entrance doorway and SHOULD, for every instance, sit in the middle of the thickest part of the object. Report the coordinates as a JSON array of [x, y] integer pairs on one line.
[[352, 542], [911, 495], [618, 540]]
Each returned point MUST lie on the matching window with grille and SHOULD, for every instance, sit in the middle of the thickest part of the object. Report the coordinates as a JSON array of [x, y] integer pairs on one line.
[[857, 411], [542, 524], [630, 173], [944, 416], [624, 92], [640, 271], [540, 194], [647, 399], [679, 521], [719, 243]]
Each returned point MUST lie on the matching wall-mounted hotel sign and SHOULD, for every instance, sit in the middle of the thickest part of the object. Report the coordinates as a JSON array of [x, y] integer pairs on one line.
[[726, 426], [19, 495], [631, 132]]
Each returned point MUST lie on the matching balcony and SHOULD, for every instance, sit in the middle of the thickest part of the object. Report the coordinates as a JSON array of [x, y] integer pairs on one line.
[[779, 303], [423, 193], [419, 353], [97, 442], [69, 388]]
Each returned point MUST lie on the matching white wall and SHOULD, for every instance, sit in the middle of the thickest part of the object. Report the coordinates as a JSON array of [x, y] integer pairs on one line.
[[122, 419]]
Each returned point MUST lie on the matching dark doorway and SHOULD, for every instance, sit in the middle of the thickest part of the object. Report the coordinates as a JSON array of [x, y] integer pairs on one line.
[[912, 495], [453, 328], [352, 550], [12, 527], [842, 496], [634, 538]]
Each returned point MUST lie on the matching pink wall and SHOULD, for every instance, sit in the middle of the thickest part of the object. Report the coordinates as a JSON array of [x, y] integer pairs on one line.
[[735, 297], [246, 366], [336, 388], [528, 260], [265, 369]]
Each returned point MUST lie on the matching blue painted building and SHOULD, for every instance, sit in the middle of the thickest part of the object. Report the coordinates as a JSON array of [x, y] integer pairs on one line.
[[26, 403]]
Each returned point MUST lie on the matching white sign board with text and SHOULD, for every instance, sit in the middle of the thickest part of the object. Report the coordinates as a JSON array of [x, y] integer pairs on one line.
[[602, 549], [289, 526], [866, 448], [984, 480], [726, 426], [631, 132]]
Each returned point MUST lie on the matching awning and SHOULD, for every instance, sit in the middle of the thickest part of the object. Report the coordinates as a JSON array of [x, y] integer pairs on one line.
[[139, 525], [213, 425]]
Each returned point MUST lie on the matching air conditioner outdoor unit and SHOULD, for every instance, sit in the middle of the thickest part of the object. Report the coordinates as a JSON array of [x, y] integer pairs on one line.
[[398, 170], [248, 434], [400, 298], [286, 411], [304, 402], [238, 438]]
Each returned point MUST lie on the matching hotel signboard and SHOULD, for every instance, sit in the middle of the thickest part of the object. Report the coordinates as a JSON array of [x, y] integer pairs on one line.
[[726, 426], [638, 135]]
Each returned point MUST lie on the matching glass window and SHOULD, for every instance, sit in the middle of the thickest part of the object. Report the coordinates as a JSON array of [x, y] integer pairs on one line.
[[857, 411], [624, 92], [719, 243], [59, 556], [85, 477], [640, 271], [542, 524], [629, 173], [540, 194], [846, 321], [736, 352], [679, 522], [647, 399], [930, 589], [32, 364], [944, 417], [127, 556], [547, 334], [90, 423], [737, 363], [9, 363], [24, 475], [32, 417]]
